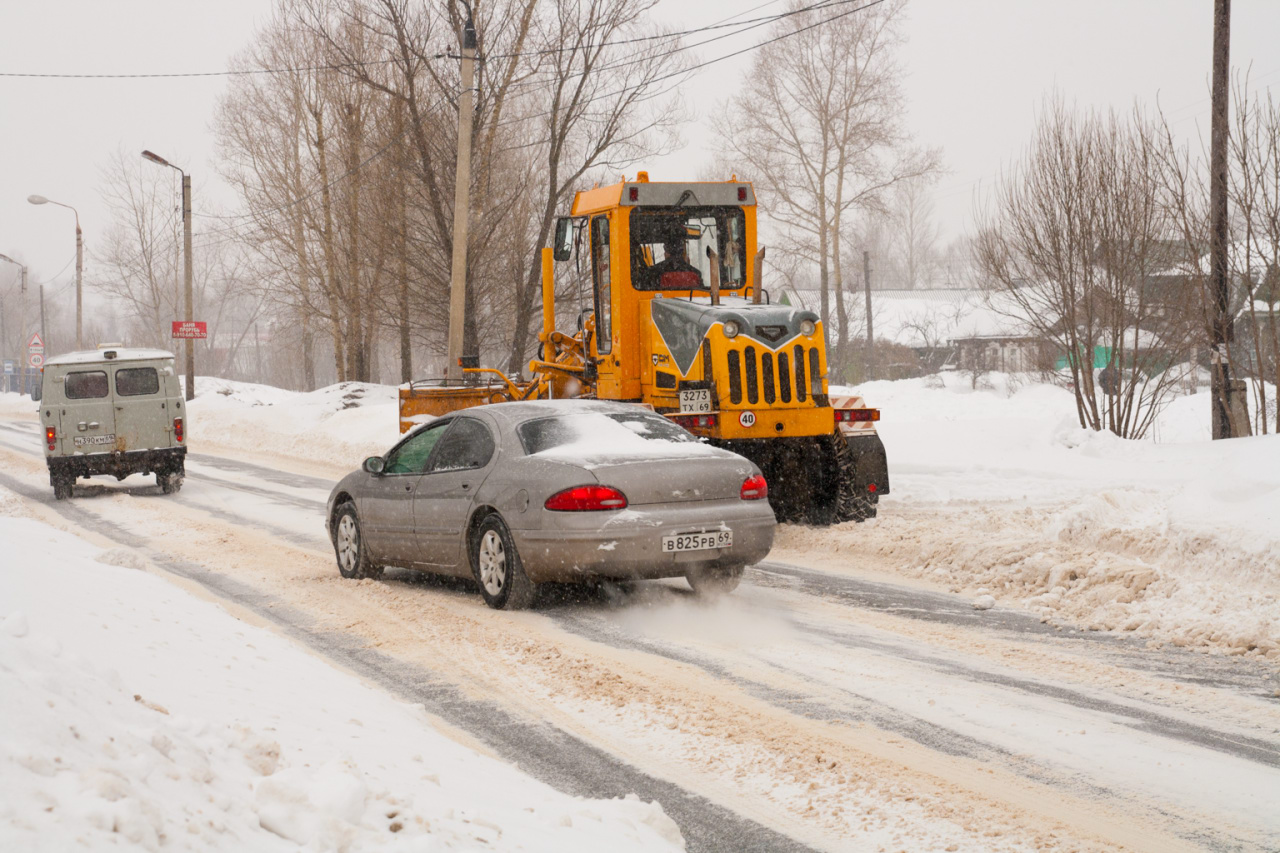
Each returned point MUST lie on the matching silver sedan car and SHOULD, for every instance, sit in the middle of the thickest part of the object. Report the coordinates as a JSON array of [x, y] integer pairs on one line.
[[515, 494]]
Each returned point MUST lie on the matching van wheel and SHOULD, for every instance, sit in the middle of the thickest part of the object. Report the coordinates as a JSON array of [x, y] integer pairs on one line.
[[170, 481], [63, 488], [348, 545]]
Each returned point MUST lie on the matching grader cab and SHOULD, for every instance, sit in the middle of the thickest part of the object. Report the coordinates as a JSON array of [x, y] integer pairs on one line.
[[677, 320]]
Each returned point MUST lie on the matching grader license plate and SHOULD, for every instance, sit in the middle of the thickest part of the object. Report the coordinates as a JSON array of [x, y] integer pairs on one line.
[[696, 402], [697, 541]]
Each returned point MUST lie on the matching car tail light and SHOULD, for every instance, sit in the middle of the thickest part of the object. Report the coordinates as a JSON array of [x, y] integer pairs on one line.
[[51, 437], [754, 488], [177, 428], [696, 421], [633, 193], [587, 499], [742, 193], [871, 487], [846, 416]]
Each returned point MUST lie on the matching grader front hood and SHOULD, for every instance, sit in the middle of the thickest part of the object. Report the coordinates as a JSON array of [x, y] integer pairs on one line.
[[684, 324]]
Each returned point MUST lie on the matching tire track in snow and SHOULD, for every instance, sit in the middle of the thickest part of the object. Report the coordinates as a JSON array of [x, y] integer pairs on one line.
[[555, 757]]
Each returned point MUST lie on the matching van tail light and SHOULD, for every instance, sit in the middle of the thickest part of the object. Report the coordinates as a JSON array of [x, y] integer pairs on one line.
[[848, 416], [754, 488], [51, 437], [587, 499], [177, 428]]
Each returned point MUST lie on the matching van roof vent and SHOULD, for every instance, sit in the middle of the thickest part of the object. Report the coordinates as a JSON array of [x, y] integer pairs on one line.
[[109, 354], [111, 345]]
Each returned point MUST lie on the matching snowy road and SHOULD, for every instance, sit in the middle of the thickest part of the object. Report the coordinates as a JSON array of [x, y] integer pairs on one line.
[[817, 708]]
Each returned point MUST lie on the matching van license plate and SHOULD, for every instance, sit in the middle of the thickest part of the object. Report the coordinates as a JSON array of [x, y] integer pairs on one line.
[[82, 440], [697, 402], [697, 541]]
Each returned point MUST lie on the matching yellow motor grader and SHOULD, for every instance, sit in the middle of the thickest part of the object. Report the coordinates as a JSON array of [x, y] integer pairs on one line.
[[677, 321]]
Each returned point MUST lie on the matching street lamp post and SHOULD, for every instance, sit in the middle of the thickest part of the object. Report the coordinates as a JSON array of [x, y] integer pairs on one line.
[[39, 199], [186, 265]]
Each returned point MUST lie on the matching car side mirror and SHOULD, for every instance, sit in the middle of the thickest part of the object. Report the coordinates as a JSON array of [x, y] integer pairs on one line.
[[375, 465], [563, 248]]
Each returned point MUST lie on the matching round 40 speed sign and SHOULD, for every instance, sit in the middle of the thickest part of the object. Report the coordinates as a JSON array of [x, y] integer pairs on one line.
[[35, 359], [747, 419]]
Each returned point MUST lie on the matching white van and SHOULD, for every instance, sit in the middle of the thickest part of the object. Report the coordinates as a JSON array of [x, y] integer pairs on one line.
[[113, 410]]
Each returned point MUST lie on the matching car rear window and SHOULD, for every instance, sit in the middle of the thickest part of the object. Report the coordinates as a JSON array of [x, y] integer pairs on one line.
[[136, 381], [86, 385], [598, 428]]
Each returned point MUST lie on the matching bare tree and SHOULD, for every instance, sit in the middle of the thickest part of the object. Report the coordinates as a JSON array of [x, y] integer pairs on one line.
[[819, 126], [1072, 239]]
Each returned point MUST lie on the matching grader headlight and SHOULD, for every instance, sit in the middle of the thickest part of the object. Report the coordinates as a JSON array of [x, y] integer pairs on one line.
[[731, 328], [807, 328]]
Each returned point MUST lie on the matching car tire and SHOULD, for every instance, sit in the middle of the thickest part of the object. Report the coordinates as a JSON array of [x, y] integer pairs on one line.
[[348, 545], [170, 481], [714, 581], [496, 566], [63, 488]]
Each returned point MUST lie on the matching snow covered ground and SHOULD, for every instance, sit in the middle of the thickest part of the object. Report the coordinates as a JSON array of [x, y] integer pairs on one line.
[[137, 715], [996, 491], [999, 492]]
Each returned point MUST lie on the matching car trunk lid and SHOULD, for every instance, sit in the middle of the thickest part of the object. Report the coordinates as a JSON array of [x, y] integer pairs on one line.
[[651, 481]]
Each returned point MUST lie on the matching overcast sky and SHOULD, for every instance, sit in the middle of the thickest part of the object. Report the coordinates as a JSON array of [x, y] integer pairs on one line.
[[978, 70]]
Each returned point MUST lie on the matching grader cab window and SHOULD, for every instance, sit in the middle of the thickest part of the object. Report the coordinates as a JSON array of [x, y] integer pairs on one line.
[[669, 248]]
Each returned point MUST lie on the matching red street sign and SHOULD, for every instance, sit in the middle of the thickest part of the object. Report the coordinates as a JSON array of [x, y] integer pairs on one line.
[[194, 329], [35, 359], [36, 344]]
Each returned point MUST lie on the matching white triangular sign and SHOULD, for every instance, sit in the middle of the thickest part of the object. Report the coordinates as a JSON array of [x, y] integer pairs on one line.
[[36, 340]]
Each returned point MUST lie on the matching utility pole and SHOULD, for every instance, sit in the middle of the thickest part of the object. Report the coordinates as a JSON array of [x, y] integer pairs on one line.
[[461, 203], [1227, 394], [79, 291], [871, 337], [186, 286], [43, 336], [186, 265]]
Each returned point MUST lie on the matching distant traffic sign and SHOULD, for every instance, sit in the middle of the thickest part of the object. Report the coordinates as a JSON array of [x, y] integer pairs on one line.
[[9, 366], [35, 359], [195, 329], [36, 343]]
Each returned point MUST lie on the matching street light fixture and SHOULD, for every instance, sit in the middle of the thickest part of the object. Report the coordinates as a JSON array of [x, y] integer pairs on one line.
[[186, 264], [39, 199]]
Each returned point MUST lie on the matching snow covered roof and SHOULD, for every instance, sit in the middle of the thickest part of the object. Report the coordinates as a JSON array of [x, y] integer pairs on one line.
[[97, 355], [919, 318]]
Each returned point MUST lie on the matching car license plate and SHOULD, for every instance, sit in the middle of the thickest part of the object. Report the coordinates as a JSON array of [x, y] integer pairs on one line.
[[697, 541], [83, 440], [696, 402]]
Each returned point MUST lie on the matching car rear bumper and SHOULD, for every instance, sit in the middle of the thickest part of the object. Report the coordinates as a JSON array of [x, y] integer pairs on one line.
[[628, 543]]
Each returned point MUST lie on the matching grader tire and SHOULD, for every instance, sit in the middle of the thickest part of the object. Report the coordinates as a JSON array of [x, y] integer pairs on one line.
[[837, 498]]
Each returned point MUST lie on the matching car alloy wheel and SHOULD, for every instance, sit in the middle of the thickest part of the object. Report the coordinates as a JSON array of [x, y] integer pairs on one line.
[[493, 563], [348, 544]]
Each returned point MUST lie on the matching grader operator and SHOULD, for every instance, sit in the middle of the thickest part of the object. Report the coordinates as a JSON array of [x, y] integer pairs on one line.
[[677, 321]]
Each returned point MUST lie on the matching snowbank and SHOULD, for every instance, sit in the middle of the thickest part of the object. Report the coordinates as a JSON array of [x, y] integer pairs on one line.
[[998, 491], [339, 425], [136, 715]]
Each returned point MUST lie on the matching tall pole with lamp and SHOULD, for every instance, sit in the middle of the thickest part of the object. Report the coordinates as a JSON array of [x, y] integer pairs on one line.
[[39, 199], [186, 265]]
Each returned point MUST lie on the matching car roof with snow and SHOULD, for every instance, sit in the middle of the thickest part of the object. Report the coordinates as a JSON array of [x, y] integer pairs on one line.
[[94, 356], [515, 413]]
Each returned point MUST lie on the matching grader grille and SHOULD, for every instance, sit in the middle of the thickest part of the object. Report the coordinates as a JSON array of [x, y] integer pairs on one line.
[[789, 374]]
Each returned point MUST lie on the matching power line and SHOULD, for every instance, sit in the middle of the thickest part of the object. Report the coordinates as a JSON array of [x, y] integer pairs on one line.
[[826, 4]]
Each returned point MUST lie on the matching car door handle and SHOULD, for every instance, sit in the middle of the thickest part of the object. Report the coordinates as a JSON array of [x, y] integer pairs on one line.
[[94, 424], [466, 485]]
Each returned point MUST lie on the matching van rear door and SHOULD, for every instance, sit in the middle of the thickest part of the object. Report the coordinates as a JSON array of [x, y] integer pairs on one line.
[[86, 416], [142, 416]]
